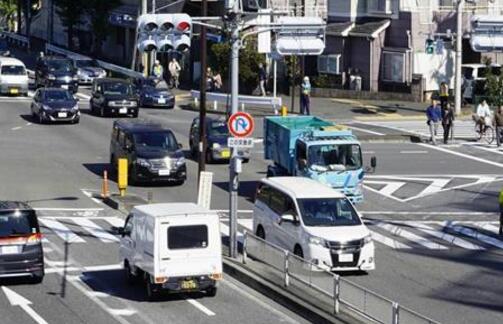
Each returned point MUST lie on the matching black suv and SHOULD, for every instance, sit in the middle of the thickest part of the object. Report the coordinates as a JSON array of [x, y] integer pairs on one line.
[[151, 149], [56, 72], [21, 253], [113, 97]]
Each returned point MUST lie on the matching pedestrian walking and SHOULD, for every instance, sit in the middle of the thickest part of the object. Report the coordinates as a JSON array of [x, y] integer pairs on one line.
[[158, 70], [262, 77], [209, 80], [447, 121], [305, 97], [444, 95], [174, 70], [501, 211], [498, 124], [217, 82], [434, 116]]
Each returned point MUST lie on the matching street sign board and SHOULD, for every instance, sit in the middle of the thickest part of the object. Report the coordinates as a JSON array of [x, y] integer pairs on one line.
[[204, 194], [240, 142], [241, 124]]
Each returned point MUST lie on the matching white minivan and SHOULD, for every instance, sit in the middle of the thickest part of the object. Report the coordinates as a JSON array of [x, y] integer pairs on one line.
[[314, 222], [173, 247], [13, 77]]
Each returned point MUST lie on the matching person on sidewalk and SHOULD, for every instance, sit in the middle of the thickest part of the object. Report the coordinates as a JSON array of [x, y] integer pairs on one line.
[[434, 116], [158, 70], [500, 199], [447, 121], [498, 124], [444, 95], [305, 97], [174, 70], [262, 77]]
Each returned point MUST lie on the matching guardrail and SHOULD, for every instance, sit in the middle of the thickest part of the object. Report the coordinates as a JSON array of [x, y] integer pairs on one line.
[[107, 66], [16, 39], [333, 290], [254, 101]]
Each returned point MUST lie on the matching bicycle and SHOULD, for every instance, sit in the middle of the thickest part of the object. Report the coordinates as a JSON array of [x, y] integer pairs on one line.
[[488, 133]]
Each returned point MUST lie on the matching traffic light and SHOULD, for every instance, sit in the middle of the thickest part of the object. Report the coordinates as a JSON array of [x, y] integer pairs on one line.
[[164, 32], [300, 36], [430, 46]]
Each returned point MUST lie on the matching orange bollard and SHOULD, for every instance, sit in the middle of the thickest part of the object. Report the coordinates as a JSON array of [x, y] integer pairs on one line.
[[104, 187]]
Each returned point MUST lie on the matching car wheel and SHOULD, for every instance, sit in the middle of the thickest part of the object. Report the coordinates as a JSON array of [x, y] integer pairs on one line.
[[211, 292], [128, 274], [40, 118], [135, 114], [150, 291], [298, 251], [260, 232], [76, 121]]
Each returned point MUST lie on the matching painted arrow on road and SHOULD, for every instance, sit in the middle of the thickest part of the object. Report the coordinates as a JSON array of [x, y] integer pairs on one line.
[[16, 299]]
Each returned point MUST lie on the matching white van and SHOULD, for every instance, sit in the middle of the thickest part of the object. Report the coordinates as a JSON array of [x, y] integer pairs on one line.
[[13, 77], [174, 247], [314, 222]]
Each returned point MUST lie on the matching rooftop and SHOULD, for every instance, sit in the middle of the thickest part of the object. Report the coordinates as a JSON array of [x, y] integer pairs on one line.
[[172, 209], [301, 187]]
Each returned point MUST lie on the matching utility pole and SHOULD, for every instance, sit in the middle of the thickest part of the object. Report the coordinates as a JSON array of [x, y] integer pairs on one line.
[[459, 56], [144, 56], [202, 93]]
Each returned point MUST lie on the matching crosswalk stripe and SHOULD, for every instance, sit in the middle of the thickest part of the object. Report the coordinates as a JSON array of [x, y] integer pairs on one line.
[[95, 230], [446, 236], [115, 221], [488, 227], [395, 230], [62, 231], [475, 234], [388, 241]]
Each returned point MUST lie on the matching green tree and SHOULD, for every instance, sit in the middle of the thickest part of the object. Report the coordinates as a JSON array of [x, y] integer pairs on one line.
[[493, 87], [70, 13], [99, 11], [8, 10]]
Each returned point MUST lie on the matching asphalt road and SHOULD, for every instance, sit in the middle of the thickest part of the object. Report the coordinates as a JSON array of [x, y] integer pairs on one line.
[[444, 189]]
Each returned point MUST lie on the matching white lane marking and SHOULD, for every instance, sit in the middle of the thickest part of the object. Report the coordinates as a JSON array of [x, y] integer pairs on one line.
[[365, 130], [466, 156], [83, 96], [61, 270], [413, 152], [90, 195], [395, 230], [105, 267], [487, 226], [16, 299], [61, 230], [122, 312], [68, 209], [115, 221], [16, 128], [388, 241], [475, 234], [389, 187], [95, 230], [28, 124], [395, 128], [368, 152], [200, 306], [411, 213], [435, 186], [446, 236]]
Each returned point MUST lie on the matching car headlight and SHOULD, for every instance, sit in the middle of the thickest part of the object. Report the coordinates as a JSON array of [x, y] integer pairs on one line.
[[111, 104], [215, 146], [51, 77], [180, 161], [143, 162], [134, 104], [317, 240], [367, 239]]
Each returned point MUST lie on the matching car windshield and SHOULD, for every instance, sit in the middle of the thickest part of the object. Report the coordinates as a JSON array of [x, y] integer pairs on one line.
[[86, 63], [157, 84], [116, 88], [58, 95], [160, 140], [13, 70], [218, 128], [335, 157], [15, 223], [328, 212], [59, 66]]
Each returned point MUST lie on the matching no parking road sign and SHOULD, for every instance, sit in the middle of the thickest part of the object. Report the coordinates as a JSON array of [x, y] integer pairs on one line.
[[241, 124]]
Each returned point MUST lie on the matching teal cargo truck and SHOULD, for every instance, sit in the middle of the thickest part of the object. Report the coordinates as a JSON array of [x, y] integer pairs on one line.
[[318, 149]]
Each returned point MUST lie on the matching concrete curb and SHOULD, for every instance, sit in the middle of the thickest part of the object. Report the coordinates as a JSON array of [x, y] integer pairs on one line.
[[123, 204]]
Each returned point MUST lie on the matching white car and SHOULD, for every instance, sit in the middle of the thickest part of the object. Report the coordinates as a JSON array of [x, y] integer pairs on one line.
[[13, 77], [175, 247], [314, 222]]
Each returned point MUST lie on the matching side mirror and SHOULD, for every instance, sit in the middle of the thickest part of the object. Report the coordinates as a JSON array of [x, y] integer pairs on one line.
[[120, 231], [287, 218], [373, 162], [180, 146]]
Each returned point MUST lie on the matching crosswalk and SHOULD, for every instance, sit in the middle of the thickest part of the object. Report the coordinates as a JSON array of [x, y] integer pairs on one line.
[[396, 235], [463, 129]]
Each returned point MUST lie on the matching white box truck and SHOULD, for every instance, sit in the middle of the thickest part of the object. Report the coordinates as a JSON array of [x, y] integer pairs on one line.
[[173, 247]]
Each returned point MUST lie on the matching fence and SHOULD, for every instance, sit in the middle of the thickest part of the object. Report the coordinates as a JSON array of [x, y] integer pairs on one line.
[[253, 101], [330, 289], [16, 39]]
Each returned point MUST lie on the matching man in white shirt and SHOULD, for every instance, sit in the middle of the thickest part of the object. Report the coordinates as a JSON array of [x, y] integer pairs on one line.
[[483, 112], [174, 69]]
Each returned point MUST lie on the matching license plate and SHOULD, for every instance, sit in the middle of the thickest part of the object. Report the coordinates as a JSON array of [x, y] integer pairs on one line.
[[226, 154], [164, 172], [14, 91], [161, 101], [345, 258], [123, 111], [188, 284], [13, 249], [62, 115], [65, 86]]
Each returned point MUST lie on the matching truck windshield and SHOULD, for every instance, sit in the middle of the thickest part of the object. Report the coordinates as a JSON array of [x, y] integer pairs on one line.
[[337, 157], [187, 237], [328, 212]]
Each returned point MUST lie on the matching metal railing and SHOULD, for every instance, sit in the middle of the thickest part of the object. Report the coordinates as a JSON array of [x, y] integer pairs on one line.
[[16, 39], [254, 101], [331, 290]]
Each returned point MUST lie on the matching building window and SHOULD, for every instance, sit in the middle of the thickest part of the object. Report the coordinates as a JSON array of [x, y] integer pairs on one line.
[[393, 67], [379, 6], [329, 64]]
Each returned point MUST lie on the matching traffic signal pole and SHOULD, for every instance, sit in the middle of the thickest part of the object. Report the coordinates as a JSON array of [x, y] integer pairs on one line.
[[202, 94], [459, 57]]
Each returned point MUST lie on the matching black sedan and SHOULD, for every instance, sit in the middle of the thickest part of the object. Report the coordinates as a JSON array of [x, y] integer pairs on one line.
[[55, 105], [113, 97], [153, 92]]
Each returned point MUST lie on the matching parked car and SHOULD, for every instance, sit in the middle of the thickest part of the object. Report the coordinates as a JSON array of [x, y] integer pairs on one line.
[[216, 139], [313, 221], [56, 72], [173, 247], [13, 77], [21, 253], [153, 92], [87, 69], [4, 47], [152, 151], [55, 104], [113, 97]]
